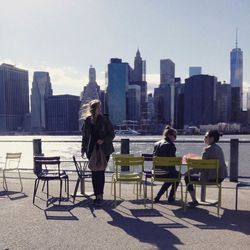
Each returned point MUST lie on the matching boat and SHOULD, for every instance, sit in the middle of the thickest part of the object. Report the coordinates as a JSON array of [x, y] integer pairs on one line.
[[128, 131]]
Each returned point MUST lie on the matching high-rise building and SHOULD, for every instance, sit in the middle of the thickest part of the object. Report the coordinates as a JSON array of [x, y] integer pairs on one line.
[[236, 70], [14, 97], [90, 92], [118, 81], [62, 113], [235, 105], [167, 71], [223, 99], [134, 102], [200, 100], [195, 70], [41, 90], [138, 67], [179, 104]]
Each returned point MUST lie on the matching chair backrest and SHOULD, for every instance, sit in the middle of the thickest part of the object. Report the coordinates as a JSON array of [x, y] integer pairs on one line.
[[159, 163], [198, 164], [45, 164], [148, 157], [114, 156], [81, 166], [135, 162], [12, 160]]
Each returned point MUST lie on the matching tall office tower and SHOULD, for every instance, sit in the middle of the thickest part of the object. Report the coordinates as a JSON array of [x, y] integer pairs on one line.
[[235, 104], [14, 97], [62, 113], [133, 103], [223, 99], [200, 100], [167, 71], [179, 104], [118, 81], [236, 69], [90, 92], [194, 70], [144, 70], [138, 67], [41, 89]]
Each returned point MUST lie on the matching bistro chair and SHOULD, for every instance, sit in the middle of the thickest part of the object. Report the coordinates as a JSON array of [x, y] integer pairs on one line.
[[81, 167], [136, 164], [148, 158], [242, 184], [204, 165], [12, 161], [165, 162], [48, 169]]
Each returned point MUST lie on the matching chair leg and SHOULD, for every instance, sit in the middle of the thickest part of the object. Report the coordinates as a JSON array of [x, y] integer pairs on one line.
[[35, 189], [146, 187], [219, 201], [112, 179], [114, 193], [68, 188], [47, 193], [185, 203], [5, 187], [137, 190], [20, 179], [152, 198], [181, 194], [76, 188], [120, 189], [236, 199], [43, 186], [60, 198]]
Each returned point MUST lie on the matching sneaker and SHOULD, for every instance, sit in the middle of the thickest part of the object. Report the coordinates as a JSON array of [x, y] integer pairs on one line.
[[98, 203], [157, 200], [193, 204]]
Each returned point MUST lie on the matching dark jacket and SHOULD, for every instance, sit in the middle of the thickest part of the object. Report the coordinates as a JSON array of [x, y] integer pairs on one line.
[[102, 129], [165, 148]]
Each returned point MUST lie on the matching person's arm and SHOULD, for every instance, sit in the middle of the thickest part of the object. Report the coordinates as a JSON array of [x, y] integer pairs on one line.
[[110, 133], [84, 138]]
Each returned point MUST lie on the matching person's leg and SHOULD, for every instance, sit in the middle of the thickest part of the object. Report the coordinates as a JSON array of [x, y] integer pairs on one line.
[[191, 190], [174, 186], [164, 186], [95, 182]]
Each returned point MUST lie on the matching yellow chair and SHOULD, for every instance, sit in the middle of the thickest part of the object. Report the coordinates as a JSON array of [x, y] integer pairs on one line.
[[134, 175], [12, 161], [113, 175], [204, 165], [165, 162]]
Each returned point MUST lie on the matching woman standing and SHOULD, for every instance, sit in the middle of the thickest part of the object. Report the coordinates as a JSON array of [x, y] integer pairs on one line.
[[166, 148], [97, 134]]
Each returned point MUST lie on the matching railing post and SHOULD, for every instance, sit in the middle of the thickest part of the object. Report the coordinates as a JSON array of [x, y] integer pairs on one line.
[[234, 159], [37, 150], [125, 150]]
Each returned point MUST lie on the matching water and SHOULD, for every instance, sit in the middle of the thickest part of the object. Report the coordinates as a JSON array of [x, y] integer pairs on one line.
[[67, 149]]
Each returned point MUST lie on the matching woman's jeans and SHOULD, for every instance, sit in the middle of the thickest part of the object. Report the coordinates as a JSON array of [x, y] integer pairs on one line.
[[98, 181]]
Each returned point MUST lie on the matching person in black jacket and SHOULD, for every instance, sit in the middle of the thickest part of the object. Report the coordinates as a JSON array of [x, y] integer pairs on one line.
[[166, 148], [97, 131]]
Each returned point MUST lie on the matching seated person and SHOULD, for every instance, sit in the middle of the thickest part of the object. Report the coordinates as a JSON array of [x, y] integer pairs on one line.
[[166, 148], [212, 151]]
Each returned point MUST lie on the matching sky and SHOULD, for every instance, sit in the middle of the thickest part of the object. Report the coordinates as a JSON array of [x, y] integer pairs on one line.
[[65, 37]]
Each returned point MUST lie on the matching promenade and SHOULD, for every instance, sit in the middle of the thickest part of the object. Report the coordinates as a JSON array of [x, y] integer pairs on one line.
[[129, 226]]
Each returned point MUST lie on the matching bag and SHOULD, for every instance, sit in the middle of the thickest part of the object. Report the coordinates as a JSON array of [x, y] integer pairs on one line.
[[97, 161]]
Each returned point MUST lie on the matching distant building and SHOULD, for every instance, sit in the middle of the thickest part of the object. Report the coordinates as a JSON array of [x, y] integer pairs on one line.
[[167, 71], [90, 92], [134, 103], [138, 67], [200, 100], [223, 99], [14, 97], [118, 81], [236, 70], [235, 105], [62, 113], [179, 105], [41, 90], [150, 107], [195, 70]]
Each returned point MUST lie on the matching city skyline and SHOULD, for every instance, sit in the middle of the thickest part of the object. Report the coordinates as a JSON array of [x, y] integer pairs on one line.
[[51, 39]]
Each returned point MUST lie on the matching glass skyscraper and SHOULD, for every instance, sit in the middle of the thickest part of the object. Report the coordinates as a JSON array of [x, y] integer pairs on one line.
[[118, 80]]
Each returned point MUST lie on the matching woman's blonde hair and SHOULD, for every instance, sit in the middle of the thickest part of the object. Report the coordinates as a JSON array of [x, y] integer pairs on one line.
[[89, 109]]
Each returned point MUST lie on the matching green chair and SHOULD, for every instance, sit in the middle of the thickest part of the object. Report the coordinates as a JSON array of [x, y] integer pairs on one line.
[[197, 165], [134, 175], [165, 162]]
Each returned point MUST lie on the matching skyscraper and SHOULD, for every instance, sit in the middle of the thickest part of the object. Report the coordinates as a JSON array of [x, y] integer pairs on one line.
[[14, 97], [138, 67], [167, 71], [41, 90], [200, 100], [90, 92], [195, 70], [236, 69], [62, 113], [134, 103], [118, 81]]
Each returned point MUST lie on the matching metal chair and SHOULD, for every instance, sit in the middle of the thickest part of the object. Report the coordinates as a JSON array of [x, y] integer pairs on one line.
[[12, 161], [81, 167], [165, 162], [135, 162], [48, 169], [203, 165], [147, 173], [239, 185]]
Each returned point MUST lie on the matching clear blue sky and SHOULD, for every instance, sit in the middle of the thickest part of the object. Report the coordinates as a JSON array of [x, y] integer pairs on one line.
[[66, 36]]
